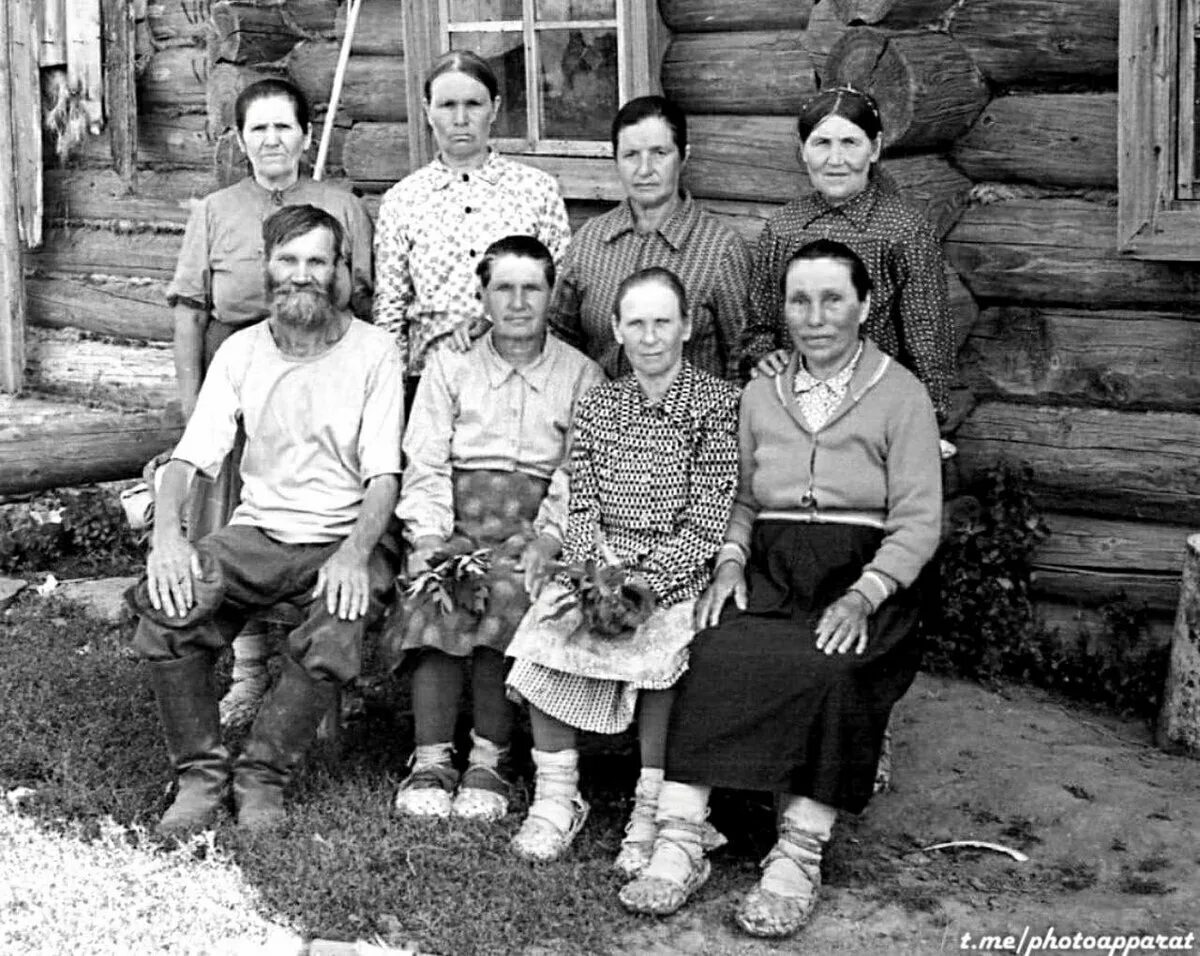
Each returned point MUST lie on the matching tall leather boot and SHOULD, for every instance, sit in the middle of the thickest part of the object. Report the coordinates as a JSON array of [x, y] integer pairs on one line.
[[285, 726], [187, 706]]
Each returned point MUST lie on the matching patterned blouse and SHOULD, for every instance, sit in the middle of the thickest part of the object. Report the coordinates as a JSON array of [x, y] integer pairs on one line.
[[710, 259], [434, 226], [657, 479], [910, 312], [819, 398]]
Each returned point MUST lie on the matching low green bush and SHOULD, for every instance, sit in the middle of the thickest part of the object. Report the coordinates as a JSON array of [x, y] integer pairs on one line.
[[72, 532]]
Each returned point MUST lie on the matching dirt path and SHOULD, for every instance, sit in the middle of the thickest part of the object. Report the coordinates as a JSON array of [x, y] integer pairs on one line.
[[1111, 827]]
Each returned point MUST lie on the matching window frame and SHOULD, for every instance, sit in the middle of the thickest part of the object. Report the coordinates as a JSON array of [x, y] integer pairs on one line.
[[1151, 222], [584, 168]]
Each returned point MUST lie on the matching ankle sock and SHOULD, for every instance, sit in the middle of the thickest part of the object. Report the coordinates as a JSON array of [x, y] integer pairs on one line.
[[557, 785]]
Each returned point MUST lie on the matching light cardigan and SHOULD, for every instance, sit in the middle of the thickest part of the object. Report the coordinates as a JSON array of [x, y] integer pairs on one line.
[[875, 462]]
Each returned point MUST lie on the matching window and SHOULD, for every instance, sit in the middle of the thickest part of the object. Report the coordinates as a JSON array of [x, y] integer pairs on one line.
[[565, 66], [1158, 134]]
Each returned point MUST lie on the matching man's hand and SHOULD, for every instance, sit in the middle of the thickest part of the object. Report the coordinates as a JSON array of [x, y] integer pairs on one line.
[[771, 364], [843, 626], [730, 579], [170, 572], [534, 561], [346, 583]]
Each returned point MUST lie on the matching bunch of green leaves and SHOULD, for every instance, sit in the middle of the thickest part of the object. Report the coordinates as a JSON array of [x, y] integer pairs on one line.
[[612, 602], [68, 531], [986, 577], [453, 581]]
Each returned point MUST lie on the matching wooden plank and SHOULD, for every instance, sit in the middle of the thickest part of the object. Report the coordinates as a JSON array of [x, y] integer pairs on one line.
[[928, 89], [121, 306], [23, 49], [12, 293], [1045, 251], [74, 366], [1076, 625], [1117, 359], [373, 88], [1050, 139], [105, 252], [164, 141], [422, 42], [380, 29], [175, 79], [162, 198], [50, 444], [1156, 592], [377, 151], [84, 59], [1041, 44], [720, 16], [752, 72], [252, 33], [120, 78], [1105, 544], [1113, 463]]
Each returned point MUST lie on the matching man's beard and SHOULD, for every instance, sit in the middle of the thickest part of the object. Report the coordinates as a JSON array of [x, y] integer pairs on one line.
[[301, 307]]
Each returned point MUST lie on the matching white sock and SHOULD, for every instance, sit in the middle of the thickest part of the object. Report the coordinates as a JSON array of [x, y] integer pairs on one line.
[[251, 645], [808, 815], [683, 801], [484, 753], [432, 755], [557, 785], [783, 876]]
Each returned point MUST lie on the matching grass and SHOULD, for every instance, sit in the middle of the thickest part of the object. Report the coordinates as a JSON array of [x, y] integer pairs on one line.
[[82, 733]]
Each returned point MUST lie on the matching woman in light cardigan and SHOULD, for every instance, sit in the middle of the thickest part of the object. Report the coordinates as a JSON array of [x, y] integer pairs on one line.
[[790, 686]]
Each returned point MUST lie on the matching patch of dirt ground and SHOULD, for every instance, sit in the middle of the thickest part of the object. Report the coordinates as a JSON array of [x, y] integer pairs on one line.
[[1110, 824]]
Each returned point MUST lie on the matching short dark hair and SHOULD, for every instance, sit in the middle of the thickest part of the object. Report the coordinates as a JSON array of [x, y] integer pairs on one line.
[[524, 247], [654, 275], [463, 61], [854, 105], [266, 89], [292, 221], [649, 107], [860, 278]]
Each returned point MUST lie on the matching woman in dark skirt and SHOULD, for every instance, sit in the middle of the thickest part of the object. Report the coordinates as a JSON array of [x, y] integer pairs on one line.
[[791, 685]]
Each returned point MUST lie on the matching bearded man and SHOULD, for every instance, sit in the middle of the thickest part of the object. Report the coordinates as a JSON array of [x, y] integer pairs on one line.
[[319, 395]]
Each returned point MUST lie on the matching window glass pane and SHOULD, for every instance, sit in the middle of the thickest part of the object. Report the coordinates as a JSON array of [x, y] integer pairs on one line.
[[577, 70], [505, 54], [477, 11], [575, 9]]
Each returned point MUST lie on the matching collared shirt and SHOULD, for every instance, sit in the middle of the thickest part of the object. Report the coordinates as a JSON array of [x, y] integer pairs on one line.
[[656, 479], [475, 411], [433, 228], [220, 267], [711, 261], [910, 312], [819, 398], [317, 429]]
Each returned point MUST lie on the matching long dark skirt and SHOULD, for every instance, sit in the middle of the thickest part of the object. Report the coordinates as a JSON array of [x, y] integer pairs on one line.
[[760, 708]]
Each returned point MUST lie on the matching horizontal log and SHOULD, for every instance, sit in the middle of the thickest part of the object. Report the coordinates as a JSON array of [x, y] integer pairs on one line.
[[51, 444], [1044, 251], [373, 89], [753, 72], [1041, 43], [893, 14], [178, 22], [1103, 544], [175, 78], [129, 376], [164, 140], [1118, 359], [376, 151], [1158, 593], [1113, 463], [1052, 139], [225, 83], [249, 33], [106, 252], [120, 306], [380, 30], [709, 16], [162, 198], [1090, 628], [928, 89]]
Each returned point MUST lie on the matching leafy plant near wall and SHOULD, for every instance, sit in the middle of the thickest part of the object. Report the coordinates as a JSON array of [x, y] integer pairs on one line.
[[988, 628], [70, 531]]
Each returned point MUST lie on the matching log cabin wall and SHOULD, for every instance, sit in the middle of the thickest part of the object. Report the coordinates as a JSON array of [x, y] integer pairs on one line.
[[1001, 123]]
